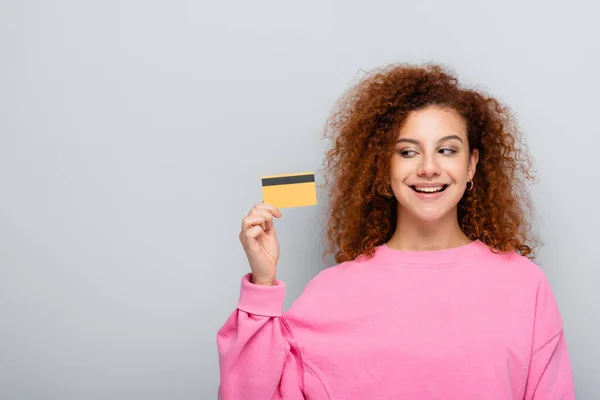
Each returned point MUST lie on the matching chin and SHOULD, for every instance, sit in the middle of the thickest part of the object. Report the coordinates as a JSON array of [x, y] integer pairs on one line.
[[428, 215]]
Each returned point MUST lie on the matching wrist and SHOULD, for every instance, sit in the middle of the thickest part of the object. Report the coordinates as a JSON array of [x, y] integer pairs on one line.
[[262, 282]]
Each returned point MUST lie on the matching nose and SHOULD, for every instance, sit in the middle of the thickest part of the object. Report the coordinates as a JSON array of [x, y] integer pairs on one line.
[[429, 166]]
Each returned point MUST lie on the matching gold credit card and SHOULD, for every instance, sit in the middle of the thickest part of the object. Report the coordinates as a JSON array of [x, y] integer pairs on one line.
[[291, 190]]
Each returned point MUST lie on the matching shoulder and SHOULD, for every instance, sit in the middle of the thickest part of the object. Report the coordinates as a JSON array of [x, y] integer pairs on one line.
[[333, 285], [353, 270], [514, 264], [526, 274], [530, 287]]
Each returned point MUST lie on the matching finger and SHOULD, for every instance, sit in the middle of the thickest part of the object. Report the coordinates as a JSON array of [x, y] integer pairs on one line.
[[253, 232], [270, 228], [258, 217], [268, 218], [266, 214], [268, 207], [271, 208], [251, 221]]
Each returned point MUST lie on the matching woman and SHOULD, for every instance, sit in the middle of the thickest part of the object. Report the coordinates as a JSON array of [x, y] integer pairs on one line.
[[435, 295]]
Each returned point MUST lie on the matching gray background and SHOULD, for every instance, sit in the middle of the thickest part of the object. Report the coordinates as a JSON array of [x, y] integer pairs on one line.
[[133, 138]]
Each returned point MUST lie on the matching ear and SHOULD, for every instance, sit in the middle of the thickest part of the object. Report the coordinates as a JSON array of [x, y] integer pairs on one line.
[[473, 160]]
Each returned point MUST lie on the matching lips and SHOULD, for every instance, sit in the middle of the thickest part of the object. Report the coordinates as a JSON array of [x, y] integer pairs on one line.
[[429, 189]]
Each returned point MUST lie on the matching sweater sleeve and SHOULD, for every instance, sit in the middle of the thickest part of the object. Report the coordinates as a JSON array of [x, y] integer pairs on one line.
[[550, 376], [258, 357]]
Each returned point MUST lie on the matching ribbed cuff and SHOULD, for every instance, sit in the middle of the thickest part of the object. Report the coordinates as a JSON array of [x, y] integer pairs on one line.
[[261, 300]]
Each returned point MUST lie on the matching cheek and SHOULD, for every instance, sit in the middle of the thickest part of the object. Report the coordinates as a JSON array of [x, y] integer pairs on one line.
[[457, 170], [400, 169]]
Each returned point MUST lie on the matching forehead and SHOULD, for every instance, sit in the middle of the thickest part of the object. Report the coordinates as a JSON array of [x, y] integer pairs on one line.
[[433, 122]]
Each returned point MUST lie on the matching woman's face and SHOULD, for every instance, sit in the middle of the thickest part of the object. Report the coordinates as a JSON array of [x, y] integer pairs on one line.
[[431, 164]]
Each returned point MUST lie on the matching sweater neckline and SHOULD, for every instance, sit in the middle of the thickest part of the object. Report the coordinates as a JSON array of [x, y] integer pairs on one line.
[[431, 258]]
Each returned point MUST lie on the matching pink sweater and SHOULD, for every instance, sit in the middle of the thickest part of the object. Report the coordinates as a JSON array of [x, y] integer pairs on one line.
[[462, 323]]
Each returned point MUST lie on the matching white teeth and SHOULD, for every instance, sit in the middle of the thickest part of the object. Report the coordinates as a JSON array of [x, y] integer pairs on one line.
[[429, 189]]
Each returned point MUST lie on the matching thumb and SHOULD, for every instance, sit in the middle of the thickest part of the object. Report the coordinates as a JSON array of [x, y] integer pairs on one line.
[[270, 228]]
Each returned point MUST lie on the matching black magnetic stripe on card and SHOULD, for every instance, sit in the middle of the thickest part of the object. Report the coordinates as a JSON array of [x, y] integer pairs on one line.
[[288, 180]]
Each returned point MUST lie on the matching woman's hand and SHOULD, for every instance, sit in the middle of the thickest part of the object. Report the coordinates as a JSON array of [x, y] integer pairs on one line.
[[260, 242]]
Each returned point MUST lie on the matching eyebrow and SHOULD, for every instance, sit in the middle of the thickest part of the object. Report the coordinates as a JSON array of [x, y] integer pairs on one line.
[[439, 141]]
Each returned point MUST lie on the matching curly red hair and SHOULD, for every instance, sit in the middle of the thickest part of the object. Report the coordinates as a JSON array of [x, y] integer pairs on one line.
[[363, 128]]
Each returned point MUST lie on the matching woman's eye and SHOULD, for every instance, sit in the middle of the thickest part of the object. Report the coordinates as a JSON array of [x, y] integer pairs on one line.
[[407, 153], [447, 151]]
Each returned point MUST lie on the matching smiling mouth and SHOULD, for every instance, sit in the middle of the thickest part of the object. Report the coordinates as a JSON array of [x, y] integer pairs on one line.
[[426, 190]]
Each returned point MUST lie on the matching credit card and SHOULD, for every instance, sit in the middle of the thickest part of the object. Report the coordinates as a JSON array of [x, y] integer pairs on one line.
[[290, 190]]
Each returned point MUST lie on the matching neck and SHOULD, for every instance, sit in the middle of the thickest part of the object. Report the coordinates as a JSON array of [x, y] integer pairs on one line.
[[417, 235]]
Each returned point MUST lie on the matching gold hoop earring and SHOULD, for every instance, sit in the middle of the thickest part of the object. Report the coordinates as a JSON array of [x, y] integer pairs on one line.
[[469, 188]]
